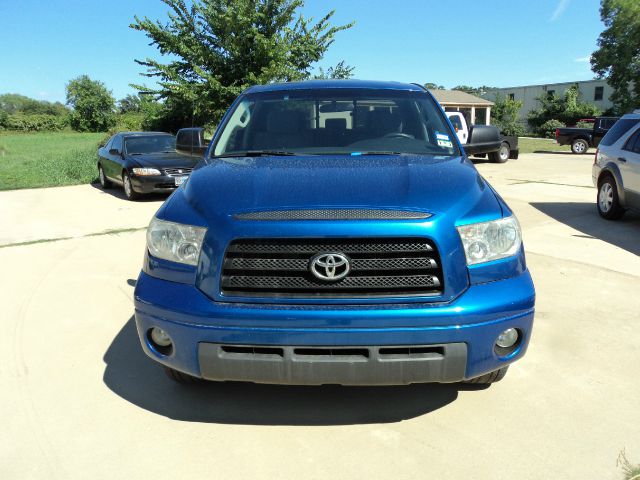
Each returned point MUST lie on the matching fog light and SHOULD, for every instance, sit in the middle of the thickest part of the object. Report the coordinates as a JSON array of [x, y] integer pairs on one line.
[[160, 337], [508, 338]]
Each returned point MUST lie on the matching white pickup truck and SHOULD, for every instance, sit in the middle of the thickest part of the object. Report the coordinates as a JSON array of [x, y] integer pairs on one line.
[[508, 147]]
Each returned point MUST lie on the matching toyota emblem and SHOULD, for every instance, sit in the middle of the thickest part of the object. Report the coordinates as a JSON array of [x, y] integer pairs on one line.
[[330, 266]]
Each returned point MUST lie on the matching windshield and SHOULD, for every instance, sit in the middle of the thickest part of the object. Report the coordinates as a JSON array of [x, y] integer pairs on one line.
[[334, 122], [149, 144]]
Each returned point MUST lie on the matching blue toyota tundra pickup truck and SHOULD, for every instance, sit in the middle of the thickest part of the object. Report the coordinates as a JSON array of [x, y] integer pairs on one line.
[[335, 233]]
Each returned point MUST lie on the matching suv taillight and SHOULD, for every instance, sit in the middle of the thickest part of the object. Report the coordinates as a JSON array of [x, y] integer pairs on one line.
[[557, 133]]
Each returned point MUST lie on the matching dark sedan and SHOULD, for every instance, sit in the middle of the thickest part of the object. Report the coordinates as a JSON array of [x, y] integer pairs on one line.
[[143, 162]]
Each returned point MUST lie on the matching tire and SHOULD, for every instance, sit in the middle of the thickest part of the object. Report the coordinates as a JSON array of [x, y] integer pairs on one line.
[[489, 378], [502, 155], [129, 192], [105, 183], [579, 145], [180, 377], [607, 200]]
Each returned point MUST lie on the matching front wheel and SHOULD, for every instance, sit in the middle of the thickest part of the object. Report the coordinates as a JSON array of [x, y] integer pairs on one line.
[[129, 192], [579, 146], [104, 181], [608, 201], [489, 378], [180, 377]]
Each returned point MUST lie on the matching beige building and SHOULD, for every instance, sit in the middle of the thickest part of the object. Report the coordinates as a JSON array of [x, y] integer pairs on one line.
[[597, 92], [476, 110]]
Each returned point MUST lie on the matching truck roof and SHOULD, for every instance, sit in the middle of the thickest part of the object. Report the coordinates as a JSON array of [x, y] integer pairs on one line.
[[323, 84]]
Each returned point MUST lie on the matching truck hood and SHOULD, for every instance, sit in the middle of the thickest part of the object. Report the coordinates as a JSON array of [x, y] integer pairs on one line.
[[439, 185]]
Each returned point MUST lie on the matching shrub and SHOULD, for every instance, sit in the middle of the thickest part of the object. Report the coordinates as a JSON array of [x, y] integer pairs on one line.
[[548, 128], [35, 123], [567, 109], [131, 122]]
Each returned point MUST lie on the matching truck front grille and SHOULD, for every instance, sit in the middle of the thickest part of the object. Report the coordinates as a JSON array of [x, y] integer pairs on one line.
[[378, 267]]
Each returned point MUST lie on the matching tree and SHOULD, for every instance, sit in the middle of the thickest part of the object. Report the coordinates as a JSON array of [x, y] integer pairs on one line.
[[504, 115], [433, 86], [478, 91], [92, 104], [130, 103], [568, 109], [220, 47], [340, 71], [618, 56]]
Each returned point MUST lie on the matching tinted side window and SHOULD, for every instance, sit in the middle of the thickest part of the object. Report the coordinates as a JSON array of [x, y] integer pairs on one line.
[[633, 144], [185, 138], [107, 145], [619, 128], [117, 143]]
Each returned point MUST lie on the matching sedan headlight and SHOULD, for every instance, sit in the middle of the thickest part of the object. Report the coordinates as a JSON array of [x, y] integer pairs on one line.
[[146, 171], [487, 241], [174, 241]]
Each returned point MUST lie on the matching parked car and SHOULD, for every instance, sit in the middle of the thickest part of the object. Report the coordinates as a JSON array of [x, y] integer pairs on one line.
[[507, 147], [143, 162], [191, 141], [581, 139], [335, 233], [616, 169]]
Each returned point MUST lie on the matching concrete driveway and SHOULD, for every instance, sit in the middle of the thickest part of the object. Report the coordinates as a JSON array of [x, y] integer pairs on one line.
[[79, 398]]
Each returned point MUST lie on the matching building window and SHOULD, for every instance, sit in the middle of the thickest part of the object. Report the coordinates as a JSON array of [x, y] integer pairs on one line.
[[598, 93], [512, 96]]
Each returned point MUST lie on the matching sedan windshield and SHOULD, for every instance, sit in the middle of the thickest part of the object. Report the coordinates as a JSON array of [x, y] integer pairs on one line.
[[336, 122], [149, 144]]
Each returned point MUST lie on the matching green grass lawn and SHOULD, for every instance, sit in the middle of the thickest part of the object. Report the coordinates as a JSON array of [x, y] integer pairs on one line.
[[30, 160], [531, 145]]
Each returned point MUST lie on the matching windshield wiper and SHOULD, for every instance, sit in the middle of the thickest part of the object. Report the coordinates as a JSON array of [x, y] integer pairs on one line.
[[257, 153]]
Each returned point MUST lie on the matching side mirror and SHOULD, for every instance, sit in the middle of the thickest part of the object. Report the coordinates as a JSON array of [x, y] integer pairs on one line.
[[482, 139]]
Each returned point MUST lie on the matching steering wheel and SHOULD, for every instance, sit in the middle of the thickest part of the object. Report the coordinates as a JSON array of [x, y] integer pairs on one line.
[[398, 135]]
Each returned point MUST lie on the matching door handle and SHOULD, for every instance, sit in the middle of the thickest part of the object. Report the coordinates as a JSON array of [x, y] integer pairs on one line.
[[622, 159]]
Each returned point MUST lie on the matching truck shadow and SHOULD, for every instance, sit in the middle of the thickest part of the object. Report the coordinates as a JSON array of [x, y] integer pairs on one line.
[[133, 376], [584, 217]]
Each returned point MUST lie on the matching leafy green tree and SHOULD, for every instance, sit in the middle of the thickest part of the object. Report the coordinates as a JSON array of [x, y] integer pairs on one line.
[[340, 71], [618, 56], [567, 109], [218, 48], [478, 91], [128, 104], [504, 115], [433, 86], [14, 103], [93, 105]]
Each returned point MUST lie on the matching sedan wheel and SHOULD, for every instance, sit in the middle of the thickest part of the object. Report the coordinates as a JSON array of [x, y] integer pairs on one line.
[[130, 193], [104, 182]]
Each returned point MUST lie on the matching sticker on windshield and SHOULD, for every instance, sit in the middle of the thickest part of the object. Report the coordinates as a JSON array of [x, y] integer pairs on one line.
[[442, 136], [445, 143]]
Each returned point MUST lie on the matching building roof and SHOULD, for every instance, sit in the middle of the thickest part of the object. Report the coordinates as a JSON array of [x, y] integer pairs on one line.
[[459, 99], [310, 84]]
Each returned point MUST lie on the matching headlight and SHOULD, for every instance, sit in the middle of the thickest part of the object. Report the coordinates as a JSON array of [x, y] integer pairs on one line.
[[146, 171], [174, 241], [487, 241]]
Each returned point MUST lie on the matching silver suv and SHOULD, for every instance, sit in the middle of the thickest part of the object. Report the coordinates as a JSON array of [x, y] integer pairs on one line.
[[616, 169]]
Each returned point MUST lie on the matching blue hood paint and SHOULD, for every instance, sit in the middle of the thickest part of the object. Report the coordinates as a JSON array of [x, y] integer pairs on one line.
[[439, 185]]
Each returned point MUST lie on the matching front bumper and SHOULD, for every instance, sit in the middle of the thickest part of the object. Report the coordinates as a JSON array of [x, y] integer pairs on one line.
[[154, 183], [200, 328]]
